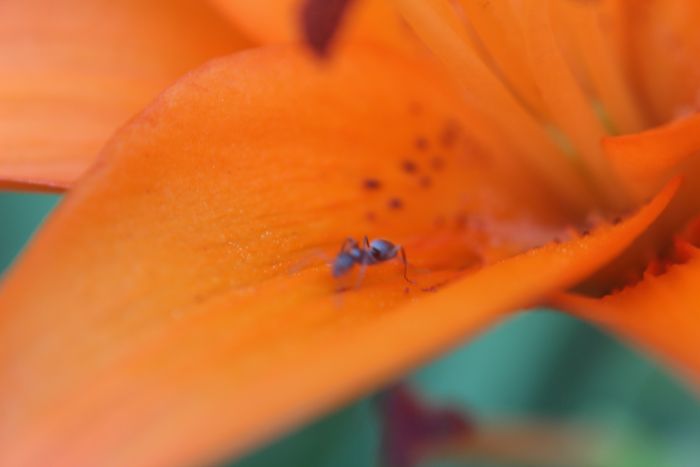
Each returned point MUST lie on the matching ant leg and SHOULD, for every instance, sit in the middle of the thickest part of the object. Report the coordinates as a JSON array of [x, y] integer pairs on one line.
[[363, 266], [309, 260], [405, 266], [363, 260], [361, 275]]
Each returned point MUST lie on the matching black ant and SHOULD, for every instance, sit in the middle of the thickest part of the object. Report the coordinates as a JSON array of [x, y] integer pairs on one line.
[[374, 252]]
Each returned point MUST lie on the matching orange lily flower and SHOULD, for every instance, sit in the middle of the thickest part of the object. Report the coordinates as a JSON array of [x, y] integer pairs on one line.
[[172, 310]]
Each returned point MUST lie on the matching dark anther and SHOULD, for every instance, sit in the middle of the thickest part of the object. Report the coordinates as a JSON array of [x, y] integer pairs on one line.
[[411, 424], [320, 21]]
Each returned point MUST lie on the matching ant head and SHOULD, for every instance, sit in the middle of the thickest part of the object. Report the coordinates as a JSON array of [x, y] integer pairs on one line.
[[382, 250]]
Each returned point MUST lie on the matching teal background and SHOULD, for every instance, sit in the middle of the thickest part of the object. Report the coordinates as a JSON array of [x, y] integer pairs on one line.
[[538, 365]]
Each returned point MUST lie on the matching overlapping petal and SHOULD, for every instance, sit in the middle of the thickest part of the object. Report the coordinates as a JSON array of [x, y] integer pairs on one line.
[[661, 314], [166, 313], [72, 72], [647, 160]]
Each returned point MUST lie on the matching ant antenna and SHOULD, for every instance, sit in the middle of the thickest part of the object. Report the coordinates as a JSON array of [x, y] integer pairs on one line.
[[405, 266]]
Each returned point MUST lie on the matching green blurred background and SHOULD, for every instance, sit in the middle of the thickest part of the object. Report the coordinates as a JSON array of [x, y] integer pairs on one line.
[[540, 365]]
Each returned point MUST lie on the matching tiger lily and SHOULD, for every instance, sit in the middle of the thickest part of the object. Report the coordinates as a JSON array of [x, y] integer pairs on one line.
[[173, 309]]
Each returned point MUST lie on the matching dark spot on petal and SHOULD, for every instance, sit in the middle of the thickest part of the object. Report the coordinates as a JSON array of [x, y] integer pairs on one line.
[[435, 287], [395, 203], [371, 216], [437, 163], [409, 166], [450, 134], [199, 298], [371, 184], [461, 220], [440, 222], [320, 21], [426, 182], [421, 143], [585, 233], [617, 220], [557, 240], [415, 108]]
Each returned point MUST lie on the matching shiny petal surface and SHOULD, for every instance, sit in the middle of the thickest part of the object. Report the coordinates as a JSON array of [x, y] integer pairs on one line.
[[73, 71], [168, 313]]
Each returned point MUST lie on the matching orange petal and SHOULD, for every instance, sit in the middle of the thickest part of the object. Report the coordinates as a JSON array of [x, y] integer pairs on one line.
[[40, 186], [663, 43], [659, 314], [646, 160], [155, 320], [72, 72], [279, 21], [590, 36]]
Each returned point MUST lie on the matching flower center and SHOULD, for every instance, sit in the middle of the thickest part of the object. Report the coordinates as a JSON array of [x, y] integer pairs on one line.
[[548, 77]]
